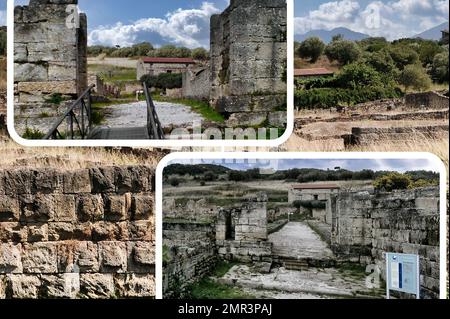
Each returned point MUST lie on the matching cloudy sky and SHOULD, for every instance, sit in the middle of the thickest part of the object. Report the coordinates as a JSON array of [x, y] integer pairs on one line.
[[2, 12], [399, 165], [392, 19], [126, 22]]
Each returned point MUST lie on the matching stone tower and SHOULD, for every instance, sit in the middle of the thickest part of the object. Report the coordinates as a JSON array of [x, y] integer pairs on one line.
[[50, 57], [248, 61]]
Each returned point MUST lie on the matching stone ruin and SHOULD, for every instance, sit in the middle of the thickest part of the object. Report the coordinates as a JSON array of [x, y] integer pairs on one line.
[[50, 58], [247, 70]]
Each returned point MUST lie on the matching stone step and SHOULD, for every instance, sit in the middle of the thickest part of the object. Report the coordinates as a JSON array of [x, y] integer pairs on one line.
[[305, 263]]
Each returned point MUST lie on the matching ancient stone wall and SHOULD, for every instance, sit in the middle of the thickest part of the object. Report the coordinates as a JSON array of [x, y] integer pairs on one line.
[[196, 83], [248, 61], [366, 225], [427, 100], [77, 234], [50, 57], [191, 255], [193, 210]]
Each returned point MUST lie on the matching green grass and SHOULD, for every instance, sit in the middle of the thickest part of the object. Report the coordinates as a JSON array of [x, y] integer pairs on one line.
[[203, 108], [210, 290], [222, 268], [112, 74], [33, 134]]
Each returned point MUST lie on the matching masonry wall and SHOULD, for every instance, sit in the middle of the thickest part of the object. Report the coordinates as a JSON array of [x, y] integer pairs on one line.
[[428, 100], [77, 234], [366, 225], [50, 57], [248, 61], [196, 84]]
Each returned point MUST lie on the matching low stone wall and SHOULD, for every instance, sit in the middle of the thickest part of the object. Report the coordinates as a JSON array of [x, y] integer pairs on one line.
[[193, 210], [428, 100], [370, 135], [196, 83], [191, 255], [366, 225], [77, 234]]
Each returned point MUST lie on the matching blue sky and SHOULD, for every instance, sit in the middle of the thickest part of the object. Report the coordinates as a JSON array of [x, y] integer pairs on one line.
[[400, 165], [392, 19], [126, 22]]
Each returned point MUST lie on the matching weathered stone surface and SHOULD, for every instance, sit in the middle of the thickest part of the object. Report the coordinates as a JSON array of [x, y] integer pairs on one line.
[[103, 180], [30, 72], [24, 286], [141, 257], [47, 181], [37, 232], [117, 207], [9, 209], [65, 210], [10, 261], [135, 286], [18, 182], [77, 182], [2, 287], [97, 286], [37, 208], [65, 286], [88, 257], [39, 258], [142, 206], [247, 119], [106, 231], [90, 208], [133, 179], [141, 231], [113, 256], [12, 231]]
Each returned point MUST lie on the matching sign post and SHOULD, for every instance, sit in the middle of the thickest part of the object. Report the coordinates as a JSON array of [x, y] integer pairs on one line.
[[402, 274]]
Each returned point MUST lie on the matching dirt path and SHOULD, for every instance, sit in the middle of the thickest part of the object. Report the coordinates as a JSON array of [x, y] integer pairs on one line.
[[298, 241]]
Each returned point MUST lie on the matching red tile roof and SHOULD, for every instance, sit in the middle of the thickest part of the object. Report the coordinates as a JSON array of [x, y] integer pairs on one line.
[[312, 72], [169, 60], [316, 186]]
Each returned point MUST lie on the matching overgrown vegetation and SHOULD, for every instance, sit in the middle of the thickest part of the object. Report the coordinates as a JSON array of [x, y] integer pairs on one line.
[[398, 181], [370, 69], [33, 134], [163, 81]]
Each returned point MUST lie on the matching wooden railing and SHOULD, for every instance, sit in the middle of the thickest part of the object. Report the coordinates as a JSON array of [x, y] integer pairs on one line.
[[154, 127], [78, 118]]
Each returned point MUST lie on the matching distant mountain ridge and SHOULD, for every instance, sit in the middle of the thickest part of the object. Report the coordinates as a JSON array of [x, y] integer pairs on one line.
[[433, 33], [326, 36]]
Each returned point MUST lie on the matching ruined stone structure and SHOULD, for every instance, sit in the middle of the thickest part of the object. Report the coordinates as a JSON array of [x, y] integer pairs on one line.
[[156, 66], [50, 57], [197, 83], [77, 234], [427, 100], [248, 61]]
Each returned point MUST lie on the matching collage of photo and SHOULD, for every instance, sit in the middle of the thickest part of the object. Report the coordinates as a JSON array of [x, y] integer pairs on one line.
[[224, 150]]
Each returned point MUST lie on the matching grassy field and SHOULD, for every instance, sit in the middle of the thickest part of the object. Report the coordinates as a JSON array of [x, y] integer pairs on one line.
[[113, 74]]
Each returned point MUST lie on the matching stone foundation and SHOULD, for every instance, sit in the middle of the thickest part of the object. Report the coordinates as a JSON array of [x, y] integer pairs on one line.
[[427, 100], [77, 234]]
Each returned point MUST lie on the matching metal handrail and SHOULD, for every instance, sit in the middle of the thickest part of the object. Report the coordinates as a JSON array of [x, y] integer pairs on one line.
[[154, 127], [85, 107]]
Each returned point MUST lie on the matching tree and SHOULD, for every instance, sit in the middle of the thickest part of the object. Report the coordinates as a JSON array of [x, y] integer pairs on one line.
[[312, 48], [343, 51], [440, 67], [358, 75], [414, 76], [175, 182], [381, 61], [403, 55], [142, 49], [393, 181], [200, 54]]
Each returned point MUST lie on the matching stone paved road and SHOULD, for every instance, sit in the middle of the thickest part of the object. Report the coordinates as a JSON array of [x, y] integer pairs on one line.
[[297, 240]]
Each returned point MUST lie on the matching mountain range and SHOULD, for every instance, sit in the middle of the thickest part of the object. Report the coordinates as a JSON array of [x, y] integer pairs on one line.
[[433, 33]]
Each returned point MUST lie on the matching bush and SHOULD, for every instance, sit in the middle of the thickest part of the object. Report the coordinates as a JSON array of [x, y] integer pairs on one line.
[[393, 181], [343, 51], [175, 182], [440, 68], [164, 80], [210, 176], [403, 55], [358, 75], [415, 76], [200, 54], [312, 48], [381, 61]]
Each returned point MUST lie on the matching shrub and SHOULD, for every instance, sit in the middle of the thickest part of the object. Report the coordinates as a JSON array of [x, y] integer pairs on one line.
[[163, 80], [175, 182], [415, 76], [343, 51], [200, 54], [393, 181], [381, 61], [358, 75], [440, 67], [312, 48], [403, 55]]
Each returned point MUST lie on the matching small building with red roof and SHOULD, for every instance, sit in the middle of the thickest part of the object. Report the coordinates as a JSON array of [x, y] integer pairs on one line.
[[156, 66]]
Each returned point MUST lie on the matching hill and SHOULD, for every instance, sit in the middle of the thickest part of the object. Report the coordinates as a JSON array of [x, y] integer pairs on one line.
[[326, 36], [433, 33]]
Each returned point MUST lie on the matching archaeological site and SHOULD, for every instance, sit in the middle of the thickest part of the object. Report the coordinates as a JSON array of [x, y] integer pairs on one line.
[[67, 88], [299, 233]]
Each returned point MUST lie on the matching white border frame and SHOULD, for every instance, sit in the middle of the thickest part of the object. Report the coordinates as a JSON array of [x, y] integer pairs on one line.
[[153, 143], [305, 156]]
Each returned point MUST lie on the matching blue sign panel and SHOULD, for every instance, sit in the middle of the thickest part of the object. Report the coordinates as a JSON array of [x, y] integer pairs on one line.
[[403, 273]]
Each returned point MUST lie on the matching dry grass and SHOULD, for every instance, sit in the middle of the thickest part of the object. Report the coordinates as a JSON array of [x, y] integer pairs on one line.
[[15, 156], [2, 74], [323, 62]]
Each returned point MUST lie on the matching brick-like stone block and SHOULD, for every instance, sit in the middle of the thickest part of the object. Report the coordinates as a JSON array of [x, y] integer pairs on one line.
[[10, 258], [12, 231], [134, 179], [24, 286], [117, 207], [88, 257], [106, 231], [103, 180], [90, 208], [141, 257], [18, 182], [64, 286], [47, 181], [97, 286], [77, 182], [39, 258], [9, 209], [135, 285], [65, 210], [37, 208], [142, 207], [37, 232], [69, 231], [141, 231], [113, 256]]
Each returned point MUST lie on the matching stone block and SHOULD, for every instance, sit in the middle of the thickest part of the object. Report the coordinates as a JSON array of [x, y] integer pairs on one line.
[[97, 286], [39, 258], [142, 207], [18, 182], [133, 179], [12, 232], [37, 232], [9, 209], [247, 119], [103, 180], [141, 257], [77, 182], [47, 181], [10, 258], [64, 286], [108, 231], [90, 208], [30, 72], [37, 208], [48, 87], [24, 286], [117, 207], [135, 285], [113, 256], [88, 257], [65, 210], [141, 231]]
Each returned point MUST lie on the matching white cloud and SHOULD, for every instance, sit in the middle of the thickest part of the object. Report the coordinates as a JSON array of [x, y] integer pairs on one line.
[[188, 28], [2, 17], [392, 19]]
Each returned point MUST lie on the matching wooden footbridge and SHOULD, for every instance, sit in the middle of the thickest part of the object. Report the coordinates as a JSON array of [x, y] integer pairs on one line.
[[78, 120]]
